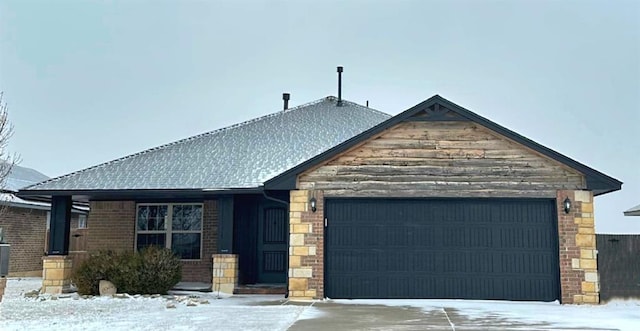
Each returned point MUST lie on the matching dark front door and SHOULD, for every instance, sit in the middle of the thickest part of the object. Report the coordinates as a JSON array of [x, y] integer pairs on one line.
[[448, 248], [272, 243]]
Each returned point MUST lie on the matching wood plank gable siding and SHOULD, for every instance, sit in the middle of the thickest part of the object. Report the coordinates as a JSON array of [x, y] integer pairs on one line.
[[441, 159]]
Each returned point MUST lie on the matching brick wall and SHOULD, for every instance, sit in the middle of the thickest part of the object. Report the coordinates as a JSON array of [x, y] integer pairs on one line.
[[579, 281], [25, 230], [202, 270], [306, 246], [111, 226]]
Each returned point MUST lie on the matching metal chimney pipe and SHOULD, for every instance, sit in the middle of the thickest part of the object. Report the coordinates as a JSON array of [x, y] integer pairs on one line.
[[285, 97], [340, 69]]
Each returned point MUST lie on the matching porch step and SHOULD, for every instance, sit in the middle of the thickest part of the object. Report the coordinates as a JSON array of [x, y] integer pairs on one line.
[[192, 286], [260, 289]]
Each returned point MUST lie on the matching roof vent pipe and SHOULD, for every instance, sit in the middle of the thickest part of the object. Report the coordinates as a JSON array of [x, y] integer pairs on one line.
[[285, 97], [340, 69]]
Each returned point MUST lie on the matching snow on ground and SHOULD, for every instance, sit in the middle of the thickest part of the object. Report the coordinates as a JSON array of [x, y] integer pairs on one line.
[[622, 315], [71, 312], [140, 313]]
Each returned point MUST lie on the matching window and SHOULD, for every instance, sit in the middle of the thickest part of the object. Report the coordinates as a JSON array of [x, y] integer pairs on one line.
[[82, 221], [175, 226]]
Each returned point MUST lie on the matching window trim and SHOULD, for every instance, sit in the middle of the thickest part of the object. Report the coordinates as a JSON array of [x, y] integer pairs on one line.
[[82, 225], [168, 232]]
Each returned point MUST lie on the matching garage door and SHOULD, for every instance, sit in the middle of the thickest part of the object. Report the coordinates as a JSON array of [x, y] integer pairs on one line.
[[459, 249]]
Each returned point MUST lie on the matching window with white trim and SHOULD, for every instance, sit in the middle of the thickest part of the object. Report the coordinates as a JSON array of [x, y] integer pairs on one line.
[[82, 221], [177, 226]]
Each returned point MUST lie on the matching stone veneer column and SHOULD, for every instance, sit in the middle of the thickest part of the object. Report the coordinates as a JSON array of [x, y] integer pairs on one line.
[[3, 285], [225, 273], [578, 255], [56, 274], [306, 242]]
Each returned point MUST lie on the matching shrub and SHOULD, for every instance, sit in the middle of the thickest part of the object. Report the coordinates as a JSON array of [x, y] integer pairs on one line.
[[124, 275], [97, 267], [153, 270], [160, 270]]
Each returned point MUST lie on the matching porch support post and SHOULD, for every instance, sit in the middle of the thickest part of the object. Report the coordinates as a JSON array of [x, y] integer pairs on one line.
[[56, 274], [225, 273], [3, 285], [225, 225], [56, 266], [60, 225]]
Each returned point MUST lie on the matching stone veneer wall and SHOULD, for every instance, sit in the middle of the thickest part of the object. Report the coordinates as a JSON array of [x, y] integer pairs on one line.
[[3, 285], [306, 246], [225, 273], [579, 279], [56, 274]]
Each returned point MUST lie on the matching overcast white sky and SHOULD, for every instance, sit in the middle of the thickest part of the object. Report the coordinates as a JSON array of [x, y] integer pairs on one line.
[[91, 81]]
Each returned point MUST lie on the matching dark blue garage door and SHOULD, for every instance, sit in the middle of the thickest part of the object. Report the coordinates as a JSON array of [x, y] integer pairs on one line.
[[449, 248]]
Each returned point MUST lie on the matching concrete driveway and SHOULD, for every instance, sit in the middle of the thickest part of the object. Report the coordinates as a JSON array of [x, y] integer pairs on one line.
[[336, 316]]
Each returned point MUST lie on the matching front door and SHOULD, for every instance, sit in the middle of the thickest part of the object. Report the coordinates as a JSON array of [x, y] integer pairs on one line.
[[272, 243]]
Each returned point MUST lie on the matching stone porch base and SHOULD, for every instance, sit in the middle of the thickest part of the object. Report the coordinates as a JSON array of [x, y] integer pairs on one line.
[[56, 274]]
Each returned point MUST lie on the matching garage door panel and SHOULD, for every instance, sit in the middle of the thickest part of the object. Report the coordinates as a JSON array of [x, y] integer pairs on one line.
[[479, 249]]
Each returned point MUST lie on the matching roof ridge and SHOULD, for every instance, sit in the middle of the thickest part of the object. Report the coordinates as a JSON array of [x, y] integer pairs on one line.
[[188, 139], [365, 107]]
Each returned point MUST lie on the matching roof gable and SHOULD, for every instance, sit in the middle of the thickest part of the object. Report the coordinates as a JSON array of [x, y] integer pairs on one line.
[[440, 159], [236, 157], [437, 108], [633, 211]]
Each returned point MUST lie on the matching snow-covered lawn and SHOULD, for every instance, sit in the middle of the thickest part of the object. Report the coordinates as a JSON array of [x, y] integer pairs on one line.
[[204, 311], [141, 313]]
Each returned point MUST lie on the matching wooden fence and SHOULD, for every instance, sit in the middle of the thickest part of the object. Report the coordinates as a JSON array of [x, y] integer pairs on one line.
[[618, 266]]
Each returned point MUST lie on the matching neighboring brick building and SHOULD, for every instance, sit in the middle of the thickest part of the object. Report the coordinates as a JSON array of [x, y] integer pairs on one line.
[[25, 230], [25, 223], [338, 200]]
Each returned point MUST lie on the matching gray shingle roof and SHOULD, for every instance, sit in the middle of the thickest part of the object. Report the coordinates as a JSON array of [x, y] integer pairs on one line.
[[20, 177], [244, 155], [634, 211]]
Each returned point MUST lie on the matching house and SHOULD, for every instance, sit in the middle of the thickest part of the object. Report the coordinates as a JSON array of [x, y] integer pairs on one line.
[[338, 200], [25, 222], [635, 211]]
